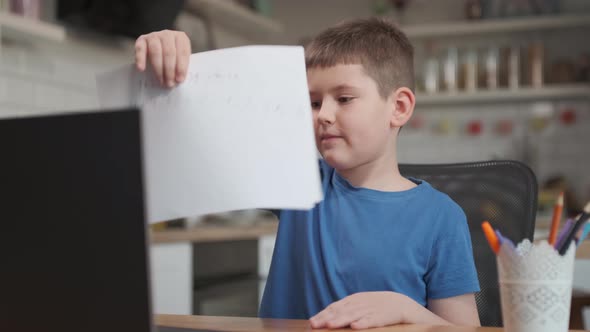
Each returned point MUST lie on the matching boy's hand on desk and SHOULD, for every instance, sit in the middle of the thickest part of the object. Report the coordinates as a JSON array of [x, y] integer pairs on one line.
[[168, 53], [363, 310]]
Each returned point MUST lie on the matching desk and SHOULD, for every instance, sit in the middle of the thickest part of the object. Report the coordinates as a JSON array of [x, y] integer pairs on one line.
[[255, 324]]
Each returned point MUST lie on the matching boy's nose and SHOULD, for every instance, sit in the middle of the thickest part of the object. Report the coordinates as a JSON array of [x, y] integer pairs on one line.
[[326, 115]]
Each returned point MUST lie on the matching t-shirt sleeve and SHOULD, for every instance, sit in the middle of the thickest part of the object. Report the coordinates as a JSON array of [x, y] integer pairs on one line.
[[451, 268]]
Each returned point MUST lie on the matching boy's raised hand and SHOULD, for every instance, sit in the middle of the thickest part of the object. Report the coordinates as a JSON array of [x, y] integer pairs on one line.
[[167, 51]]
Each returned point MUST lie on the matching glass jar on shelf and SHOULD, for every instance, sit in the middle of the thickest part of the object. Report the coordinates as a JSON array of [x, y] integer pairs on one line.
[[431, 70], [450, 68], [468, 72], [491, 60], [510, 66], [535, 64]]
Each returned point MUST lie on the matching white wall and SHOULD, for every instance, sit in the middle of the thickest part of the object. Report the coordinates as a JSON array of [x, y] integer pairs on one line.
[[48, 77], [40, 77]]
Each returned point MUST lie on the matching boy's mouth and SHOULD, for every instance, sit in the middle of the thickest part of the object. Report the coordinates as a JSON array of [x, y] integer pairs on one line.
[[329, 137]]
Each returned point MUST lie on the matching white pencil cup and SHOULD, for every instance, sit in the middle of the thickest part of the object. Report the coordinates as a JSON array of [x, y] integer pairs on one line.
[[535, 287]]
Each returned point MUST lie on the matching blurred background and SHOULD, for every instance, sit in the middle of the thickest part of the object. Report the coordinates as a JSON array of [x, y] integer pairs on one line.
[[497, 79]]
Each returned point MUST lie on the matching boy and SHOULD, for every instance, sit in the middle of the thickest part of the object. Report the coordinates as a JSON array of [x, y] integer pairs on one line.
[[380, 249]]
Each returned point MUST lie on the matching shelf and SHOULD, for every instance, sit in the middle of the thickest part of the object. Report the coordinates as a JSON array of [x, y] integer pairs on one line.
[[566, 91], [201, 234], [488, 26], [235, 17], [20, 27]]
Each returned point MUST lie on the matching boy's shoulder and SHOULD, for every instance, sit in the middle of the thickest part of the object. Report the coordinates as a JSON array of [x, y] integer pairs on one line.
[[431, 197], [443, 201], [448, 214]]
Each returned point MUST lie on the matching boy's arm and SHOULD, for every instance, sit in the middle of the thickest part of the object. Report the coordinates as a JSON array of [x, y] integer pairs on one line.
[[458, 310], [377, 309]]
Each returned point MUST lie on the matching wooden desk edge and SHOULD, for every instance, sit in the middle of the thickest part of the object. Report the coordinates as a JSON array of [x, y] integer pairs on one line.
[[242, 324], [215, 233]]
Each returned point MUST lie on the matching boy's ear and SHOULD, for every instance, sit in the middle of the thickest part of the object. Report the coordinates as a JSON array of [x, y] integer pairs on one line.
[[403, 100]]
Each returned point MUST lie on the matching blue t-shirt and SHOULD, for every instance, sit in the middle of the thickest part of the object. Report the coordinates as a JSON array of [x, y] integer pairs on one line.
[[415, 242]]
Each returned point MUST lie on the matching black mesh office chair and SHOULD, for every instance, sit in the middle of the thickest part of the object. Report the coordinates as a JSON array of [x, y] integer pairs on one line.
[[503, 192]]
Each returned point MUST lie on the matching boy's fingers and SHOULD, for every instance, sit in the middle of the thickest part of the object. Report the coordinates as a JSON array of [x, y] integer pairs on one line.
[[364, 322], [323, 317], [154, 47], [346, 316], [140, 52], [315, 325], [338, 322], [183, 53], [318, 321], [169, 59]]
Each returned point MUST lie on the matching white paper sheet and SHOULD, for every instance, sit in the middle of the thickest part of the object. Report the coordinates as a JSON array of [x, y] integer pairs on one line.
[[237, 134]]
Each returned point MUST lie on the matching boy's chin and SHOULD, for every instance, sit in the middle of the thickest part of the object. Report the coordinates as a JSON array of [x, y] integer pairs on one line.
[[336, 162]]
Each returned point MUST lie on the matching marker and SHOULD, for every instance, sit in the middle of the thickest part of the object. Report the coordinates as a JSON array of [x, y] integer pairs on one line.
[[566, 227], [488, 231], [504, 240]]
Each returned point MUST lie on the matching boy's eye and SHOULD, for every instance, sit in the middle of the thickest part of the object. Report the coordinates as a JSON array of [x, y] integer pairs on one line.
[[345, 100], [315, 105]]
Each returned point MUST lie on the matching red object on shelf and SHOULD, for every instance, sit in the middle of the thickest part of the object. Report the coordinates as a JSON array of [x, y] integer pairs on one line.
[[474, 128], [568, 116], [504, 127]]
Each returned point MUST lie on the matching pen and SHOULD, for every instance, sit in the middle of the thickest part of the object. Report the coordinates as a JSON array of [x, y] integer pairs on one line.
[[557, 210], [584, 233], [574, 229], [566, 227]]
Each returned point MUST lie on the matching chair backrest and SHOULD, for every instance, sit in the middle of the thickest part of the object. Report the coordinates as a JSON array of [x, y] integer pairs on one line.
[[503, 192]]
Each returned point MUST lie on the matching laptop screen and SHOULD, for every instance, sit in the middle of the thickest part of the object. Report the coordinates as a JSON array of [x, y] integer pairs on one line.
[[72, 230]]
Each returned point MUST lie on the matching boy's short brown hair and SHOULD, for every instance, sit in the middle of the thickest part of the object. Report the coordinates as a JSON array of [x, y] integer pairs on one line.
[[377, 44]]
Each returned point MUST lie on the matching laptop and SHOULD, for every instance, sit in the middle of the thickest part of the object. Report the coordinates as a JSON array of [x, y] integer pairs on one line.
[[73, 240]]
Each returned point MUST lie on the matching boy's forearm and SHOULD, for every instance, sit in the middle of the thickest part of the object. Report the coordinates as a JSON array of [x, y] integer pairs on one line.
[[414, 313]]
